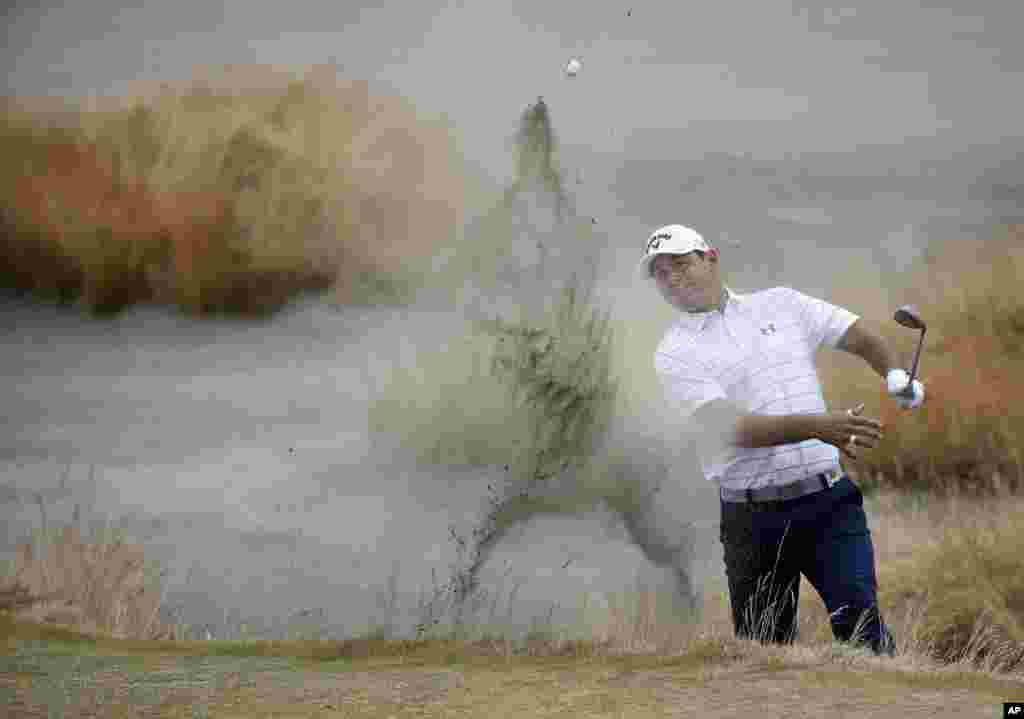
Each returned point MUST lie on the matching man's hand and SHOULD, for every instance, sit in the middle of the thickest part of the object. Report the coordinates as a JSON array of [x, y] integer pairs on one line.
[[896, 381], [868, 344], [837, 429]]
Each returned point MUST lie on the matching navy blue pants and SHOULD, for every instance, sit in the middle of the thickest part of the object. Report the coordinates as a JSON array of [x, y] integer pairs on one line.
[[823, 536]]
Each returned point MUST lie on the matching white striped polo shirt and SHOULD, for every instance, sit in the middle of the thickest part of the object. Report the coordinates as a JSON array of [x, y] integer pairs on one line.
[[758, 353]]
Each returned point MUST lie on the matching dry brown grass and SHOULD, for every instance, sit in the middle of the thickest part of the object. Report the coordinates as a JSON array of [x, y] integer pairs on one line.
[[636, 662], [950, 574], [966, 438], [224, 194], [950, 579], [965, 578], [96, 589]]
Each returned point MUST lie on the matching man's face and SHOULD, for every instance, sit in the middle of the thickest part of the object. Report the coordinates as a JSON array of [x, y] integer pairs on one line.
[[687, 282]]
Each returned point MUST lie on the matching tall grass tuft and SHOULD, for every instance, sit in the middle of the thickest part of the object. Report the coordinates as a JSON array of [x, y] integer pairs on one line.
[[965, 575], [224, 199], [560, 374], [966, 438], [558, 377], [104, 588]]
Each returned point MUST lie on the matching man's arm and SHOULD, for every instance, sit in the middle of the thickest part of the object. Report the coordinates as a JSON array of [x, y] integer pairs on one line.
[[722, 423], [864, 343]]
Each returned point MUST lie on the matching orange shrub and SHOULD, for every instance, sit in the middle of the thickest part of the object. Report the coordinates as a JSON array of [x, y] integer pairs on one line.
[[967, 435], [221, 198]]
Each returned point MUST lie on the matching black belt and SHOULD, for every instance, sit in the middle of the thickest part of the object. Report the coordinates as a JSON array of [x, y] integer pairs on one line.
[[793, 490]]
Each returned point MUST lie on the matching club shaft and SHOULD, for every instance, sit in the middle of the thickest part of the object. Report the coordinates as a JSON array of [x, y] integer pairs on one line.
[[909, 391]]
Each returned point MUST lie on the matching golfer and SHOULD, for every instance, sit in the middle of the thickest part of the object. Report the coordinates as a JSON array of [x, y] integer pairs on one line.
[[741, 367]]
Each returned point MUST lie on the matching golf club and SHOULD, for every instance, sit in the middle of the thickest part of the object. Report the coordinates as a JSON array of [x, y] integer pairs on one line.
[[908, 316]]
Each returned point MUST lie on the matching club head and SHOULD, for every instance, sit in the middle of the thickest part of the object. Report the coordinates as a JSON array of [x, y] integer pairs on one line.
[[908, 316]]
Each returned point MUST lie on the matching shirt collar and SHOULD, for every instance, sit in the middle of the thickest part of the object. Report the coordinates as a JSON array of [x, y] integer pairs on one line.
[[696, 321]]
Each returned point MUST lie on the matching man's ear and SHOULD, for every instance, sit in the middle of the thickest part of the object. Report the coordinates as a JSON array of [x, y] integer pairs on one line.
[[713, 254]]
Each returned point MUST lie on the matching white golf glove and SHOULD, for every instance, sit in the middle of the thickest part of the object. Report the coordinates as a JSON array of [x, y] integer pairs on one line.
[[896, 381]]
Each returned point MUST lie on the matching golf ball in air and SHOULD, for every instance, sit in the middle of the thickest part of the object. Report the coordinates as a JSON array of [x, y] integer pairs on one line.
[[573, 67]]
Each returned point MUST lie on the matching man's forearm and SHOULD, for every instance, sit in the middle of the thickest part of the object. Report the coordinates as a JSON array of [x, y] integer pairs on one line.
[[766, 430], [723, 424], [875, 352], [869, 346]]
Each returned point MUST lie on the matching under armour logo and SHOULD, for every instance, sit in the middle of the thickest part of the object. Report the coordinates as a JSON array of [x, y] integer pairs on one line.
[[769, 330]]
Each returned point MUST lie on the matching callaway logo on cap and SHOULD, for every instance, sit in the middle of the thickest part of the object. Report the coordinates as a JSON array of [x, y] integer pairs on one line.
[[670, 240]]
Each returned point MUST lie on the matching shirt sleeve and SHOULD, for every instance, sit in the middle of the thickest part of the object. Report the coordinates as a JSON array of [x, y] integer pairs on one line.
[[686, 385], [824, 323]]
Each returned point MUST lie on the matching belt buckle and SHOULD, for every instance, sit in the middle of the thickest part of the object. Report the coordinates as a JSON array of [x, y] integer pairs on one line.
[[832, 476]]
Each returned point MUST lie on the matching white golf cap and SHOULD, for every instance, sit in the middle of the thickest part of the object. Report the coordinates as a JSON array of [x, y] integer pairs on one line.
[[670, 240]]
